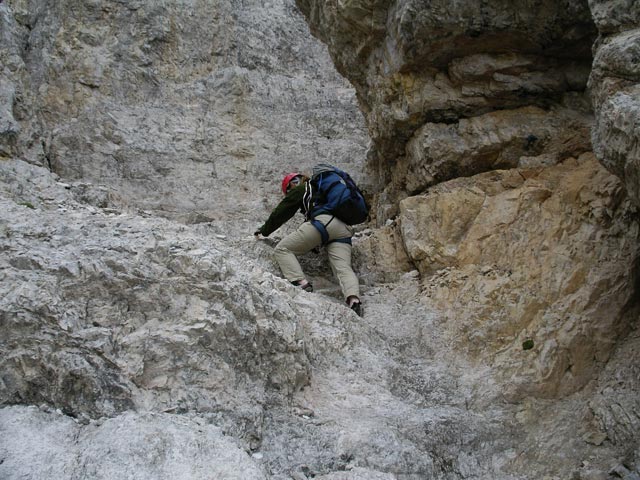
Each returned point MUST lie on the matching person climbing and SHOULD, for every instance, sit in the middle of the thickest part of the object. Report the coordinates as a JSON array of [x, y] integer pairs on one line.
[[321, 198]]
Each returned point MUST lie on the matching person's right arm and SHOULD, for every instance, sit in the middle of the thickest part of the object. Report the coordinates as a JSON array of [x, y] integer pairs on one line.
[[286, 209]]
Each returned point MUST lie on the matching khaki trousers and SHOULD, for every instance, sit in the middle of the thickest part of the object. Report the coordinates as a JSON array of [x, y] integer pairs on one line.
[[307, 237]]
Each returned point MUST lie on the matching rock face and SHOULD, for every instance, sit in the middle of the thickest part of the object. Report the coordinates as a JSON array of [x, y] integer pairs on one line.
[[615, 85], [152, 436], [172, 107], [145, 333], [415, 63], [532, 257], [109, 311], [513, 256]]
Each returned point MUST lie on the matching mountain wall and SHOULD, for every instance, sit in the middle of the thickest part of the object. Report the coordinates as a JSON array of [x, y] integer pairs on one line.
[[497, 104], [145, 333], [173, 106], [614, 86]]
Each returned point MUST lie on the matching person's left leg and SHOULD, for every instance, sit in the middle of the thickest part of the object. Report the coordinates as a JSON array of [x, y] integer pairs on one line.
[[340, 260], [340, 256]]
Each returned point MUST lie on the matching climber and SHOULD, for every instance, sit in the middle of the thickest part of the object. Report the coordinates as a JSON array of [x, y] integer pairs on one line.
[[320, 228]]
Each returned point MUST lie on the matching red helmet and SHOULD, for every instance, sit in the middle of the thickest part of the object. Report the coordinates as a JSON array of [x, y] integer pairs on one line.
[[287, 179]]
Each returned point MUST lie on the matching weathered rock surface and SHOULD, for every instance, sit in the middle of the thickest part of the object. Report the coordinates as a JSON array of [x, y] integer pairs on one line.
[[232, 363], [173, 107], [513, 253], [107, 311], [528, 136], [615, 86], [138, 446], [500, 279], [415, 63], [195, 331], [543, 259]]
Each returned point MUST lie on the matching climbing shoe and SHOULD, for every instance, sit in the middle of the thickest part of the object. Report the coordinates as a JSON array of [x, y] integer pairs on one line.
[[354, 304], [304, 284]]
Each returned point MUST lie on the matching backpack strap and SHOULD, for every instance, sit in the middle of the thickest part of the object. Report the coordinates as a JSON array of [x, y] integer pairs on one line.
[[307, 200], [324, 235], [342, 240]]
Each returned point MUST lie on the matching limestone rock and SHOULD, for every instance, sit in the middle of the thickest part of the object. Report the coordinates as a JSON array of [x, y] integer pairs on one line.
[[109, 311], [615, 15], [358, 474], [132, 446], [414, 63], [145, 332], [614, 84], [380, 255], [614, 407], [527, 136], [513, 256], [197, 330], [175, 107]]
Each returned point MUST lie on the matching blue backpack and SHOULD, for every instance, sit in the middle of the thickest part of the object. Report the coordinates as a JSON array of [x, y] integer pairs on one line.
[[334, 192]]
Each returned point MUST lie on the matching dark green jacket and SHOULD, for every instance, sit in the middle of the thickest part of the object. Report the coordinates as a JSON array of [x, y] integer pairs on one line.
[[286, 209]]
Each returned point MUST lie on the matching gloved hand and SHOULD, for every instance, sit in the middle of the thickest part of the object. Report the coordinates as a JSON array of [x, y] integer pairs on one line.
[[257, 233]]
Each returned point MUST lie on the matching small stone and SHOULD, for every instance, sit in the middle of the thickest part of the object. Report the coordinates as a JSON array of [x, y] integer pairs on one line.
[[596, 438]]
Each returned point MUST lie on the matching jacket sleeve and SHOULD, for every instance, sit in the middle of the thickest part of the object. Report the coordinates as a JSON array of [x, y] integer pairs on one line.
[[286, 209]]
